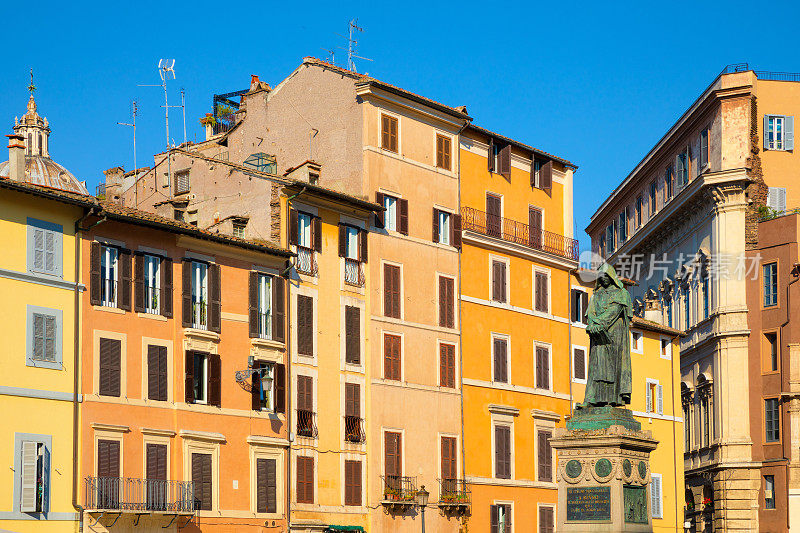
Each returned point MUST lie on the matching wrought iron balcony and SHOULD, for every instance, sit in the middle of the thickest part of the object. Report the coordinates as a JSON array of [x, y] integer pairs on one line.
[[354, 429], [353, 272], [518, 233], [399, 490], [306, 263], [306, 425], [454, 493], [200, 315], [139, 495]]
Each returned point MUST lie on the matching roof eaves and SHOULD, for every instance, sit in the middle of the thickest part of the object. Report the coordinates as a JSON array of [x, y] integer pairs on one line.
[[484, 131], [414, 97], [297, 185]]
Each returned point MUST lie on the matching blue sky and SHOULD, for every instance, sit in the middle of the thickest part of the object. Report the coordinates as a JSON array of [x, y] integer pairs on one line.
[[595, 83]]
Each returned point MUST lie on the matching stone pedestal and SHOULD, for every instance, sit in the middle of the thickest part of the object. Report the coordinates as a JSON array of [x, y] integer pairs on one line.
[[603, 472]]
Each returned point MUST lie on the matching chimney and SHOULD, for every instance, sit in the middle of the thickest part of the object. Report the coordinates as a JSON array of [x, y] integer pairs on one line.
[[114, 183], [16, 157]]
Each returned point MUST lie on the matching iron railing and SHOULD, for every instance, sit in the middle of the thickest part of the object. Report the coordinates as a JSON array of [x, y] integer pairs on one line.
[[200, 315], [264, 325], [306, 263], [108, 292], [398, 489], [767, 213], [354, 429], [353, 272], [761, 74], [306, 425], [152, 300], [518, 233], [454, 491], [100, 191], [133, 494]]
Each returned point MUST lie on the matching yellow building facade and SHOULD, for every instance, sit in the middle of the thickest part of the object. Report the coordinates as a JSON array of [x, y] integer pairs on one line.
[[516, 264]]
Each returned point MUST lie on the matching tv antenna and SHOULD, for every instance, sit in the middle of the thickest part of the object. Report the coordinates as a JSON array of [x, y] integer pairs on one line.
[[352, 44], [132, 123], [330, 58]]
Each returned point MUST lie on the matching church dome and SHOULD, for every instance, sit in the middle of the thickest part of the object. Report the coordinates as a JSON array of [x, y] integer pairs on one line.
[[39, 168]]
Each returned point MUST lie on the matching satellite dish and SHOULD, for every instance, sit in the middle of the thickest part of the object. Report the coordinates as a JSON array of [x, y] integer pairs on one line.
[[166, 68]]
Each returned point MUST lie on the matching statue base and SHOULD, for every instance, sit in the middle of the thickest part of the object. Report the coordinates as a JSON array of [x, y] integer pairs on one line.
[[590, 418], [603, 475]]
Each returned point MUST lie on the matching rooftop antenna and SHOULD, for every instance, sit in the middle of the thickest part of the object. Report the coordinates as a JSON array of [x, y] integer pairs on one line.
[[166, 70], [330, 58], [352, 44], [134, 112], [183, 105]]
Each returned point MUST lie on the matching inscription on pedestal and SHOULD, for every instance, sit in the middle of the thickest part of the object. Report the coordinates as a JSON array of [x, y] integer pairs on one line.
[[635, 504], [588, 503]]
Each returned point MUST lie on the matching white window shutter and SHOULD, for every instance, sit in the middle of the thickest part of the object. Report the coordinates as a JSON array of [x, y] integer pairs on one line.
[[50, 332], [38, 336], [45, 479], [788, 133], [781, 199], [38, 249], [766, 132], [771, 197], [649, 398], [655, 496], [28, 486], [660, 392]]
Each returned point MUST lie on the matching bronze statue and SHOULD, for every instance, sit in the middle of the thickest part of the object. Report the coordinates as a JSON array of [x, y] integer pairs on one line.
[[609, 315]]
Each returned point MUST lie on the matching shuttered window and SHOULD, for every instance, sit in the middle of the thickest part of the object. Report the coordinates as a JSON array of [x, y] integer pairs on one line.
[[544, 454], [778, 132], [449, 460], [45, 330], [157, 373], [305, 479], [500, 518], [393, 454], [655, 496], [203, 481], [34, 480], [266, 486], [352, 335], [578, 304], [44, 252], [502, 452], [443, 151], [579, 364], [541, 292], [391, 291], [494, 222], [156, 470], [447, 310], [499, 281], [389, 133], [500, 355], [108, 467], [391, 357], [447, 365], [546, 520], [181, 181], [352, 482], [262, 289], [535, 230], [542, 368], [110, 369], [305, 325]]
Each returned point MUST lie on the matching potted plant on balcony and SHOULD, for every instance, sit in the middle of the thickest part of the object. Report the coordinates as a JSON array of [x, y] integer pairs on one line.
[[708, 505], [208, 120]]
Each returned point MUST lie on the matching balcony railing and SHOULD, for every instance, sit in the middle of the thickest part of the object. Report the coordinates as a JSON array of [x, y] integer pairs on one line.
[[108, 292], [354, 429], [306, 263], [132, 494], [200, 315], [306, 425], [399, 489], [518, 233], [353, 272], [152, 299], [454, 492]]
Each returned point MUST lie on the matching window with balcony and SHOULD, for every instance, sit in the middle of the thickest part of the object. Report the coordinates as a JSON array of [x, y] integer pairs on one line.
[[108, 275], [306, 423], [199, 295], [353, 422], [353, 248], [305, 232]]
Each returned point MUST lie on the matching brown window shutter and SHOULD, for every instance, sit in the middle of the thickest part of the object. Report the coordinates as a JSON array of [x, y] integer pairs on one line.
[[153, 392], [108, 458], [542, 368], [305, 393], [94, 274], [535, 227], [579, 364], [393, 460], [266, 486], [446, 150], [505, 161], [491, 155], [442, 301], [500, 361], [125, 279], [545, 456], [188, 385], [138, 282], [186, 283], [280, 387], [110, 367], [352, 326], [305, 479], [253, 304], [362, 245], [394, 145], [545, 295], [391, 350], [272, 486], [202, 477], [546, 520], [352, 399], [305, 325], [392, 292], [156, 462], [316, 230], [546, 175], [455, 232], [163, 373], [584, 306], [403, 204], [255, 392], [380, 220], [352, 475], [447, 365], [292, 226], [214, 379], [435, 225], [386, 132], [450, 320], [215, 295], [396, 292], [342, 240], [278, 309], [502, 443], [448, 459], [166, 287]]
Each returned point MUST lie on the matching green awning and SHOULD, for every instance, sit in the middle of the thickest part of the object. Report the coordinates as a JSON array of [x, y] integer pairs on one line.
[[345, 528]]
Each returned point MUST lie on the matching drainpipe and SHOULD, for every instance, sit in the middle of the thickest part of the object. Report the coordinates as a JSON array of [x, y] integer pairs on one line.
[[571, 272], [795, 272], [460, 322]]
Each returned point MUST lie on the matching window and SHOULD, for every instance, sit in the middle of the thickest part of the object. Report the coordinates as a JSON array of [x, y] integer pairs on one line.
[[770, 284], [147, 282], [500, 357], [772, 351], [544, 455], [704, 285], [772, 419], [203, 481], [203, 371], [666, 348], [32, 465], [110, 367], [304, 221], [668, 309], [44, 337], [542, 367], [353, 430], [602, 245], [686, 307], [352, 335], [442, 226], [610, 241], [157, 372], [199, 295], [266, 486], [449, 462], [499, 158], [443, 151], [181, 181], [578, 306], [200, 375], [391, 357], [703, 148], [494, 215], [108, 467], [238, 231], [389, 133], [541, 292], [623, 226], [502, 452], [639, 203], [687, 427], [264, 305], [391, 291], [390, 204], [500, 517], [499, 281], [305, 407], [778, 132], [352, 482], [260, 161], [535, 229], [653, 198], [579, 365], [636, 341], [393, 459], [682, 168], [705, 412], [264, 385], [305, 325], [447, 306], [769, 492], [349, 242], [156, 471], [776, 199], [536, 168], [654, 399], [108, 273], [305, 232], [656, 496], [45, 241], [546, 519], [447, 365], [669, 183]]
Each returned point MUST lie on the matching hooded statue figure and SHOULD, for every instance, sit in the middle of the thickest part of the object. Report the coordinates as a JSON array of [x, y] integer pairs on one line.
[[609, 315]]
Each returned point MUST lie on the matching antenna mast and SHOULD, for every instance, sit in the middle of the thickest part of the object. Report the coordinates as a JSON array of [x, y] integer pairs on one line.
[[166, 68], [183, 105], [134, 112], [352, 44]]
